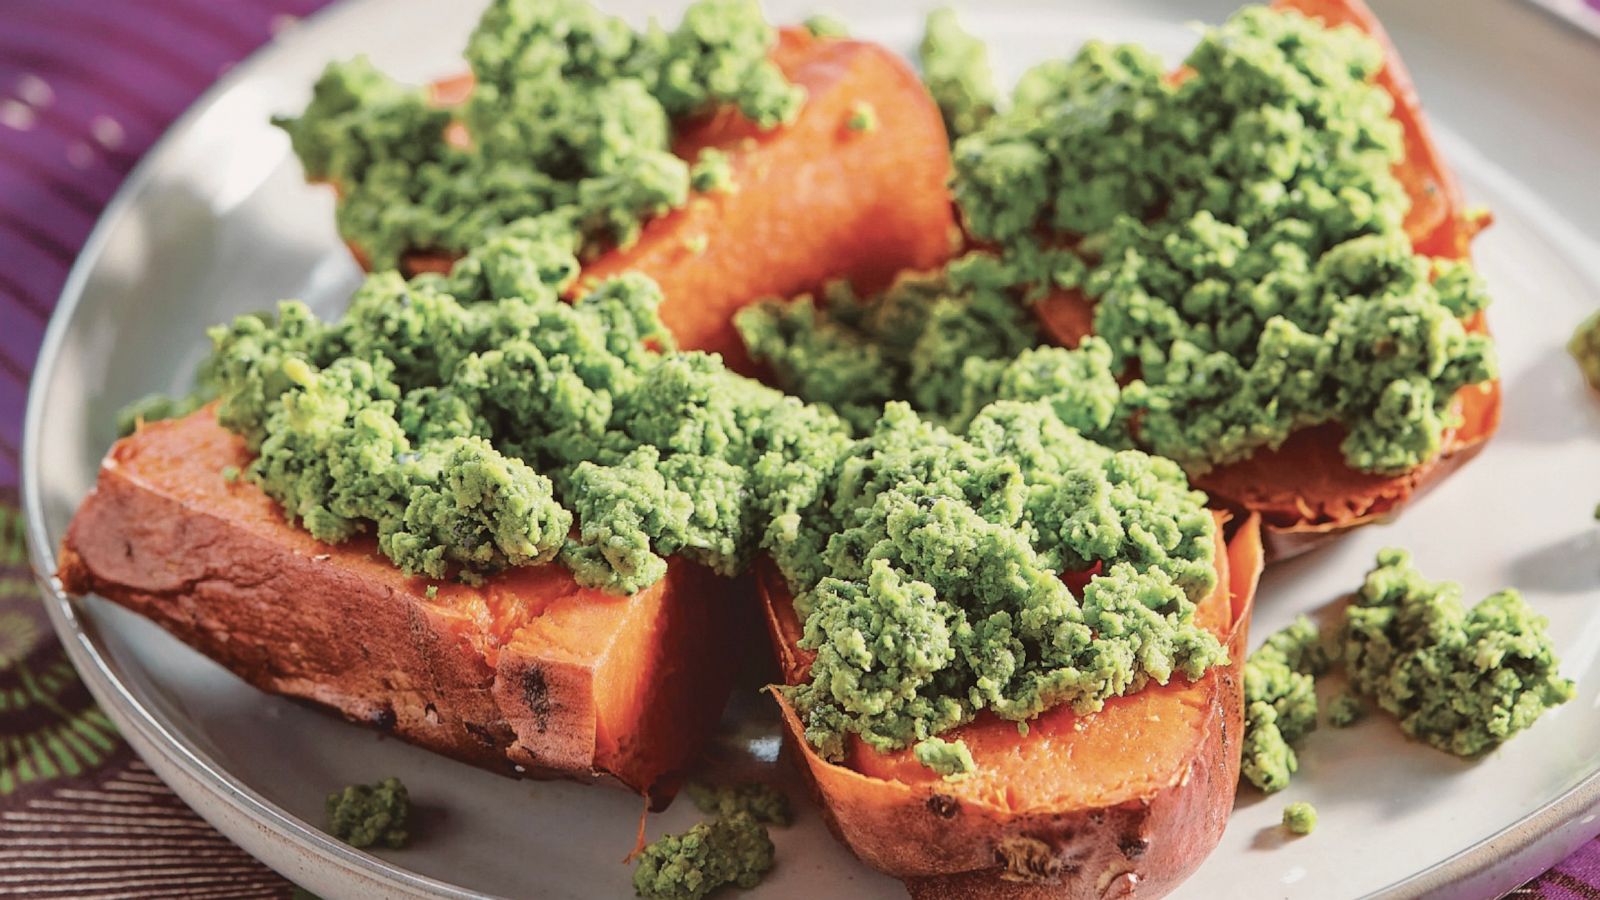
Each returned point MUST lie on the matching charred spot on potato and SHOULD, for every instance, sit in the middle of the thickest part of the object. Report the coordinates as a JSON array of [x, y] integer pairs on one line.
[[481, 734], [536, 693], [1029, 860], [1133, 846], [944, 806], [384, 718]]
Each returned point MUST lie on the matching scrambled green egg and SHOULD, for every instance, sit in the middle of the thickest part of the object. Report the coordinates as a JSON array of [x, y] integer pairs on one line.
[[732, 850], [764, 802], [363, 815], [1280, 702]]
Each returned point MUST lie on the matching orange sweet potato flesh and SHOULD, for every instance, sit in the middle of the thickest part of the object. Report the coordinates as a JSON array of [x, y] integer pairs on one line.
[[815, 201], [1304, 491], [1125, 801], [528, 672]]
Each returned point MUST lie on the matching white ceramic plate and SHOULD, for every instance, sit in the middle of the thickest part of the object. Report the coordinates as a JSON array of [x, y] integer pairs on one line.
[[216, 222]]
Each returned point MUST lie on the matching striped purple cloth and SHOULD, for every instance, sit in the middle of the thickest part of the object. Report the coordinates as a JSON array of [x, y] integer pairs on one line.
[[85, 88]]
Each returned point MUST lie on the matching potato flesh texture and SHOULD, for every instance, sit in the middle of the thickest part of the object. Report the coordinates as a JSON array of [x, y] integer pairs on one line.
[[813, 200], [342, 626], [1140, 790], [1304, 490]]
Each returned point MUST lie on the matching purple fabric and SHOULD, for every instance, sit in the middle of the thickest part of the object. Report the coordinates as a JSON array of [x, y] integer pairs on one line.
[[85, 87]]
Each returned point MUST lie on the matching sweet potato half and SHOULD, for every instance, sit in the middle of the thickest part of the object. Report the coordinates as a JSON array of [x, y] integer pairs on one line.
[[1126, 801], [1304, 491], [814, 200], [527, 673]]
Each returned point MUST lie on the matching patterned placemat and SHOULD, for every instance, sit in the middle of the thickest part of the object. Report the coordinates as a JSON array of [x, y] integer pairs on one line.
[[85, 87]]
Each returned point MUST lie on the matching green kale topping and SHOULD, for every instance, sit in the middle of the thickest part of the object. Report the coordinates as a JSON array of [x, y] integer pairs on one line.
[[1280, 702], [477, 421], [731, 850], [823, 25], [571, 115], [1345, 709], [1300, 817], [948, 342], [928, 575], [1585, 348], [955, 67], [1240, 232], [363, 815], [951, 759], [1463, 680], [762, 801]]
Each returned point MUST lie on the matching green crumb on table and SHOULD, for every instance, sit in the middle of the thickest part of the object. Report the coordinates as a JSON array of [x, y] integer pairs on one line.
[[363, 815], [1300, 817], [1463, 680], [1585, 348], [823, 25], [230, 474], [951, 759], [1345, 709], [712, 172], [1280, 702], [955, 67], [762, 801], [863, 117], [732, 850]]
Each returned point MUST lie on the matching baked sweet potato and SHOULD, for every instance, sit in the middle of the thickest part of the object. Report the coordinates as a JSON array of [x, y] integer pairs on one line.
[[1303, 490], [527, 672], [1128, 800], [814, 200]]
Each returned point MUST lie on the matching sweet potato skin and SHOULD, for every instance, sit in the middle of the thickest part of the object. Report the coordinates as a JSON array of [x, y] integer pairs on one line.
[[529, 671], [814, 200], [1304, 491], [1136, 837]]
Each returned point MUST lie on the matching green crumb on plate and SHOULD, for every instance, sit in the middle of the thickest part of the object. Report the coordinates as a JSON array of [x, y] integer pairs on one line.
[[1345, 709], [823, 25], [762, 801], [1300, 817], [362, 815], [733, 850]]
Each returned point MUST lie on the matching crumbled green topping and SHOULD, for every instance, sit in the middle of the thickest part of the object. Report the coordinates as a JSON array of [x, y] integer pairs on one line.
[[731, 850], [1240, 232], [712, 173], [764, 802], [363, 815], [955, 67], [1463, 680], [1345, 709], [948, 342], [230, 474], [476, 421], [1280, 702], [863, 117], [1585, 348], [823, 25], [929, 576], [1300, 817], [951, 759], [571, 116]]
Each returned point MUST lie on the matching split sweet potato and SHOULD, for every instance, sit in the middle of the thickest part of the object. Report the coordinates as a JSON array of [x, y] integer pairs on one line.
[[1303, 490], [528, 672], [1124, 801], [814, 200]]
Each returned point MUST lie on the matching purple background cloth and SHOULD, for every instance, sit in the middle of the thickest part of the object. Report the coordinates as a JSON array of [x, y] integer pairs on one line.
[[85, 88]]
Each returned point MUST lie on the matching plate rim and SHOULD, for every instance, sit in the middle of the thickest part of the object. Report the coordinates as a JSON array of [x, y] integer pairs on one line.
[[229, 804]]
